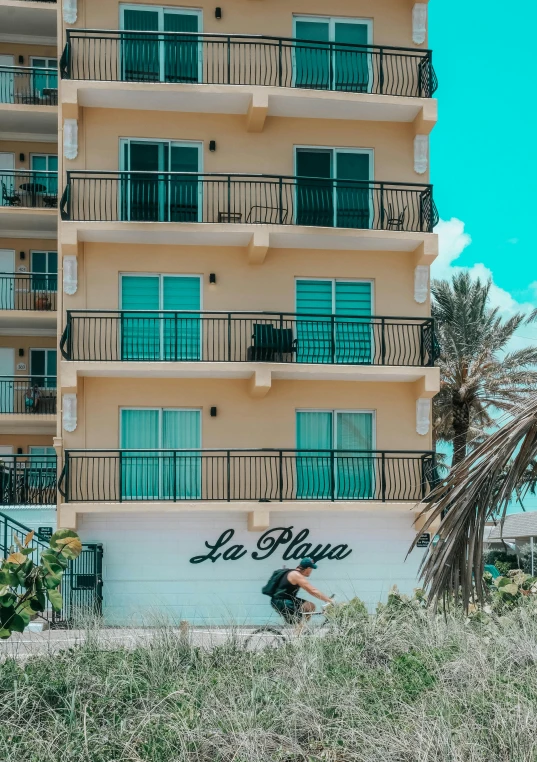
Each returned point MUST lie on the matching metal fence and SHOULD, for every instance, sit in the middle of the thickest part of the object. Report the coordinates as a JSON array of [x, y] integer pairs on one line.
[[28, 291], [173, 336], [82, 584], [29, 85], [251, 199], [28, 480], [29, 188], [234, 59], [28, 395], [260, 475]]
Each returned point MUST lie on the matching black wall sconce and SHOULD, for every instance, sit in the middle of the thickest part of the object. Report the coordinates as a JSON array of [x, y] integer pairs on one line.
[[218, 13], [21, 59], [21, 352], [22, 254], [212, 279], [19, 450], [214, 411], [212, 146], [21, 157]]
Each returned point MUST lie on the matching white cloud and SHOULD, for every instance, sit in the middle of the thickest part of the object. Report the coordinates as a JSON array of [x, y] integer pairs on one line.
[[452, 241]]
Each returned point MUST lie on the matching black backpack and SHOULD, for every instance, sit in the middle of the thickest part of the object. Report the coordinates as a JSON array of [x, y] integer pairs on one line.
[[274, 582]]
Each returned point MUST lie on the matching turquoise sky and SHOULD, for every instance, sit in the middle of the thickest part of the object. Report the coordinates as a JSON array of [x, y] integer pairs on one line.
[[484, 161], [483, 150]]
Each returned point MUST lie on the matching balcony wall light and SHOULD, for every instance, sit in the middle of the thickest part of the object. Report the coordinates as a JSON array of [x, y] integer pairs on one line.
[[214, 412], [212, 279], [19, 450], [212, 146], [21, 157], [22, 254], [21, 59], [218, 13], [21, 351]]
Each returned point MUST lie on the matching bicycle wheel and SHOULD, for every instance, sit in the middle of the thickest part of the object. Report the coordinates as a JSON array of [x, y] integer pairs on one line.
[[265, 637]]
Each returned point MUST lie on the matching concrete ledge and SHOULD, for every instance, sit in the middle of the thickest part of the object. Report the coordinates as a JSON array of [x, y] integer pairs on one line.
[[23, 423]]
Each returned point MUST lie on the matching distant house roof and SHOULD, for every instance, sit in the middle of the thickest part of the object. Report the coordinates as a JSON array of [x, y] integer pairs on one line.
[[515, 525]]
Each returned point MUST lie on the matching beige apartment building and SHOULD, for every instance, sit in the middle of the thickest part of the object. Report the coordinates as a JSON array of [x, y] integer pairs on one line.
[[245, 348]]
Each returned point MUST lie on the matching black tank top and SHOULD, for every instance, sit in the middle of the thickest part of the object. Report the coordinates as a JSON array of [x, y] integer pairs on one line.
[[285, 589]]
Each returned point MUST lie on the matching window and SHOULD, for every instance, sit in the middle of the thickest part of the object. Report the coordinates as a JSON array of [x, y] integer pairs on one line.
[[160, 475], [162, 58], [43, 368], [345, 337], [42, 164], [44, 266], [45, 81], [335, 456], [145, 336], [42, 469], [161, 197], [334, 187], [332, 53]]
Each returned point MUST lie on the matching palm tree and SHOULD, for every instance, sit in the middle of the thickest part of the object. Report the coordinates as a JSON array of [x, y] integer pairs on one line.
[[478, 489], [478, 373]]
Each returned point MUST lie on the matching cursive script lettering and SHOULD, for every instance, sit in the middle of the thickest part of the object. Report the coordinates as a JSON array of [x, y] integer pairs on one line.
[[269, 542]]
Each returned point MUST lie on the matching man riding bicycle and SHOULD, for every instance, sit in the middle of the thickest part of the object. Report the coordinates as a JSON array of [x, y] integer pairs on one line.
[[285, 600]]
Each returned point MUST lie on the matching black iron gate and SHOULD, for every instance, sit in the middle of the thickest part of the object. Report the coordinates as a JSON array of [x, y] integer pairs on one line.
[[82, 586]]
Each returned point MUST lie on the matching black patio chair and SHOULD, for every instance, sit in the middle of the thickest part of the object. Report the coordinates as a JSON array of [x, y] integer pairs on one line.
[[10, 197]]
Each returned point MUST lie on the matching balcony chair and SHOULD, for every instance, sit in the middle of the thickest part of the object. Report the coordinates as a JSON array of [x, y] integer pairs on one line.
[[10, 198], [270, 343], [50, 200], [267, 215], [229, 216], [393, 221]]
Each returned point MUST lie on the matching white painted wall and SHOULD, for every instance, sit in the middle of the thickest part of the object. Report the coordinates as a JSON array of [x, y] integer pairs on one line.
[[147, 571], [33, 518]]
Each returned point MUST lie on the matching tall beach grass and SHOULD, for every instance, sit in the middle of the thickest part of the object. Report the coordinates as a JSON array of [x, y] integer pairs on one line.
[[403, 685]]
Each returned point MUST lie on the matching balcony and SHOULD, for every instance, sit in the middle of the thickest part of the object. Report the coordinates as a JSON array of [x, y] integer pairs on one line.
[[236, 73], [236, 344], [29, 201], [28, 480], [27, 404], [227, 209], [28, 299], [235, 475]]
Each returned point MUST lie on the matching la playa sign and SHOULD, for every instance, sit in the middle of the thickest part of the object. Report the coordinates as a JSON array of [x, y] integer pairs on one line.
[[292, 543]]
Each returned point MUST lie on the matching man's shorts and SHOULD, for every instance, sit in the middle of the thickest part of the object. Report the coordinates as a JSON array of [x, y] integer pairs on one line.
[[289, 608]]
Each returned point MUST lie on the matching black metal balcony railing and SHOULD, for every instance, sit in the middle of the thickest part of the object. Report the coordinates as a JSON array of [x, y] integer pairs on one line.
[[28, 480], [28, 395], [121, 196], [235, 59], [127, 335], [260, 475], [28, 291], [29, 85], [28, 188]]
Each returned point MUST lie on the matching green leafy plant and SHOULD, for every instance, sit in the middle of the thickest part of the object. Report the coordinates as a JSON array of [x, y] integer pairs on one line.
[[511, 588], [26, 586]]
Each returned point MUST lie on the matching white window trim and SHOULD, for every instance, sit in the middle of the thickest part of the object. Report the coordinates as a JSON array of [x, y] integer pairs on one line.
[[332, 20], [48, 59]]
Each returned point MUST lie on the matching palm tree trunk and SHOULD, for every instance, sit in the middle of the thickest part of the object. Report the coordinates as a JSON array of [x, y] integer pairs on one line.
[[461, 424]]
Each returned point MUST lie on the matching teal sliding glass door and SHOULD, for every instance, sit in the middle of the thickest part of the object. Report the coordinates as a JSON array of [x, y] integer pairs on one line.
[[345, 335], [333, 187], [45, 268], [42, 164], [43, 367], [354, 469], [314, 470], [45, 80], [160, 58], [145, 336], [331, 473], [165, 475], [160, 197], [327, 56]]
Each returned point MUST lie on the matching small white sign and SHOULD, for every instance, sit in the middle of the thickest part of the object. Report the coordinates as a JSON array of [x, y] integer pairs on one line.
[[21, 269], [21, 366]]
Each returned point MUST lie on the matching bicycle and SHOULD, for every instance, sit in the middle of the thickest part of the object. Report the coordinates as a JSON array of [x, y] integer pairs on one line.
[[277, 635]]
